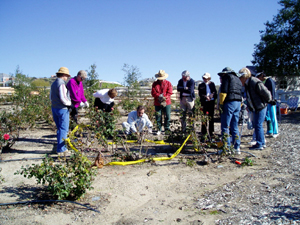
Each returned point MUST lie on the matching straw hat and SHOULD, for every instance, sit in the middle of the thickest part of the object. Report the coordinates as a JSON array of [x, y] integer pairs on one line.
[[161, 75], [63, 70]]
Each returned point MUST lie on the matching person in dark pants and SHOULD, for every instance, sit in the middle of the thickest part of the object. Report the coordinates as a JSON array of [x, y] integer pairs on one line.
[[104, 99], [208, 94], [162, 91], [75, 88]]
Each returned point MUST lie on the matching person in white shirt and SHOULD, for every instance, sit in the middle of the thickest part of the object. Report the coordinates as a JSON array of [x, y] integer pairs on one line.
[[207, 93], [105, 99], [136, 121]]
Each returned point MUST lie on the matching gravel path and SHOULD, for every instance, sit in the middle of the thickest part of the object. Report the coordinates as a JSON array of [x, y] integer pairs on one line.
[[272, 194]]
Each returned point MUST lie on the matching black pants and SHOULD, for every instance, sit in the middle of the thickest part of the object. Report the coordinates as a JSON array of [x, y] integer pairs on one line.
[[74, 114], [208, 107]]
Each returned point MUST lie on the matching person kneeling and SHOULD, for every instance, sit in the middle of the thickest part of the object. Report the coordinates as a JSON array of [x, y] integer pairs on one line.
[[136, 121]]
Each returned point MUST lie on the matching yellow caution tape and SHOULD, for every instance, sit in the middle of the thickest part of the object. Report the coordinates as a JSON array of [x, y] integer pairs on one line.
[[136, 161]]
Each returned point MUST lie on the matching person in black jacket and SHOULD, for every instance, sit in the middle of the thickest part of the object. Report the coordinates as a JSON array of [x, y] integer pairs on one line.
[[208, 94], [186, 86], [230, 106]]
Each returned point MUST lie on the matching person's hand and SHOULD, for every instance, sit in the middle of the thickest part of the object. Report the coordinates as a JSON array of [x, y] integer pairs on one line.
[[150, 130], [112, 109], [82, 104], [186, 88], [86, 104]]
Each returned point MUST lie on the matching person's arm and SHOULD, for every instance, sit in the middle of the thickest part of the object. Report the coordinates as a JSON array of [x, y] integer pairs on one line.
[[148, 122], [154, 92], [224, 90], [132, 121], [63, 95], [169, 91], [191, 87], [72, 86], [83, 99], [180, 87], [263, 91]]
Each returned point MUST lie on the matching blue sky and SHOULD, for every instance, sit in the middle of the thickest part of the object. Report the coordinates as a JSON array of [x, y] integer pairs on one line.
[[174, 35]]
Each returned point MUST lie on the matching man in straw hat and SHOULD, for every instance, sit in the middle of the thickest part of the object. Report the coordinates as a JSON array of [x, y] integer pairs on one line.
[[60, 102], [75, 88], [186, 86], [230, 106], [208, 94], [162, 91]]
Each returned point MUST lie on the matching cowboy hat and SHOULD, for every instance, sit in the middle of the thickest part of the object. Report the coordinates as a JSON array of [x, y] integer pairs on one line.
[[161, 75], [227, 70]]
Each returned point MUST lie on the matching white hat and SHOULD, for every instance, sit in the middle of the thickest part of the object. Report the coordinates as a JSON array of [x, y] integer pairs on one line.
[[206, 76]]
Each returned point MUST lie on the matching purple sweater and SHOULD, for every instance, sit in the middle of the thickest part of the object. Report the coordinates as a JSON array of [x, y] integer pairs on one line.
[[76, 92]]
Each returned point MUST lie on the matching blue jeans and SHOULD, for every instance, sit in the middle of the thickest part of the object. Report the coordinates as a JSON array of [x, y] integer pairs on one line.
[[258, 120], [61, 119], [230, 120]]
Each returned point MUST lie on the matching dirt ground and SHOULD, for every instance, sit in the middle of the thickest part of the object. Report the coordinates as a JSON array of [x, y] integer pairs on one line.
[[162, 193]]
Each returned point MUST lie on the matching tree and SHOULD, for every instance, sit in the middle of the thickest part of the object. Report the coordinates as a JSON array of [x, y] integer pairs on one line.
[[131, 77], [20, 78], [92, 76], [278, 52]]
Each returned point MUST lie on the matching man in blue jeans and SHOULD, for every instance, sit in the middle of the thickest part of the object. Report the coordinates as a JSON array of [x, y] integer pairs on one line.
[[258, 97], [230, 106], [60, 104]]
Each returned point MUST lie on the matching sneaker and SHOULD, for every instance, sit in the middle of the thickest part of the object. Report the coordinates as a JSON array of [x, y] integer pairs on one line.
[[158, 133], [275, 135], [256, 147], [264, 146], [252, 142], [237, 151]]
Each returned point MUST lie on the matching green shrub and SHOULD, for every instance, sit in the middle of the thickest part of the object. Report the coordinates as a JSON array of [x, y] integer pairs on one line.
[[68, 180]]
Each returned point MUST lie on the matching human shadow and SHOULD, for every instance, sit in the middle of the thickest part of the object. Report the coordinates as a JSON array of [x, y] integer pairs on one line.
[[290, 212], [25, 192]]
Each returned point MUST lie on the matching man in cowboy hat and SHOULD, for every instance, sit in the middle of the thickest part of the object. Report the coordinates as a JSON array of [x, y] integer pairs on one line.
[[75, 88], [60, 102], [162, 91], [230, 105], [208, 94], [186, 86]]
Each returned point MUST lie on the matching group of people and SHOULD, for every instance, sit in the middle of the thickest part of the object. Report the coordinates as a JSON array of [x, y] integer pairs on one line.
[[258, 95], [67, 97]]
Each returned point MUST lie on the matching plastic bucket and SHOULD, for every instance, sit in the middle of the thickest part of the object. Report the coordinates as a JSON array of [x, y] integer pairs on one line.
[[283, 109]]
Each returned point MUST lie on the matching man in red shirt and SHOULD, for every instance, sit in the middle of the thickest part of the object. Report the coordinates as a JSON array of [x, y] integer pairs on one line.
[[162, 91]]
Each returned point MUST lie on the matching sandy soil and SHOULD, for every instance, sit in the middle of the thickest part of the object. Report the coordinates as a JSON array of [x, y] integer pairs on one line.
[[162, 193]]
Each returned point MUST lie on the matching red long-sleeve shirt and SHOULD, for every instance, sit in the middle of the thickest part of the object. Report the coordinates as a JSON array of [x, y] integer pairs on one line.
[[164, 87]]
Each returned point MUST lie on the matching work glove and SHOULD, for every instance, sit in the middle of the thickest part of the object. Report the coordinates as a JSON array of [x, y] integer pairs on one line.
[[87, 104], [82, 104], [150, 130]]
